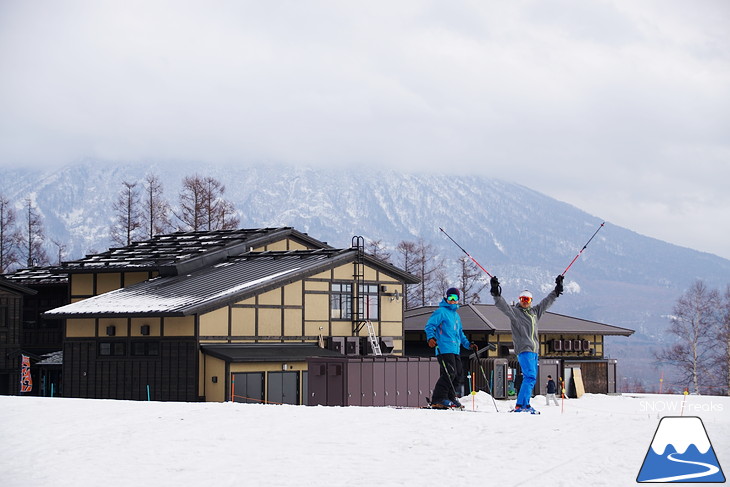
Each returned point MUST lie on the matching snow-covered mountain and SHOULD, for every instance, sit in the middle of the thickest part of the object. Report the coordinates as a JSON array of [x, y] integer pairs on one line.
[[518, 234]]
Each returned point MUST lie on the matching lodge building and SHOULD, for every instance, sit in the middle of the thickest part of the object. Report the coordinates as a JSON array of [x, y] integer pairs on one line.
[[252, 315], [222, 315]]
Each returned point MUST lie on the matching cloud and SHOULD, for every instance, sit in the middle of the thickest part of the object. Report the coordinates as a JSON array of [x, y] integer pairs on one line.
[[587, 101]]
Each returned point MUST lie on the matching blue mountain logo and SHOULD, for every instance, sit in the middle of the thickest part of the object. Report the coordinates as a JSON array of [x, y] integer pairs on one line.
[[681, 452]]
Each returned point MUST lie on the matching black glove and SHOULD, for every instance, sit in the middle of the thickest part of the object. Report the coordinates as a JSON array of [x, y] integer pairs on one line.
[[559, 285], [432, 342], [495, 290], [474, 347]]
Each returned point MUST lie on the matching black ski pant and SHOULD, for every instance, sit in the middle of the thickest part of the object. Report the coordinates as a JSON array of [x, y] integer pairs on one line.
[[450, 378]]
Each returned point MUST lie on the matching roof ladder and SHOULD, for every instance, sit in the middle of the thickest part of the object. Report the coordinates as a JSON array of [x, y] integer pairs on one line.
[[358, 275]]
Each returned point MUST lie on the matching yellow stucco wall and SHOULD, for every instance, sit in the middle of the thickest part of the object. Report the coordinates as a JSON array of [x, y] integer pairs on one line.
[[106, 282], [137, 323], [82, 284], [214, 391], [243, 321], [134, 277], [214, 323], [80, 327], [179, 326], [119, 324]]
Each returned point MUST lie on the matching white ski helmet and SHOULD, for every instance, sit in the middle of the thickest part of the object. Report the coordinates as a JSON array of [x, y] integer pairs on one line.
[[526, 294]]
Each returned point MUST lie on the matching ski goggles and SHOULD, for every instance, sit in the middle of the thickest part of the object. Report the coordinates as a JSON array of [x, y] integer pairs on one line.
[[452, 297], [525, 299]]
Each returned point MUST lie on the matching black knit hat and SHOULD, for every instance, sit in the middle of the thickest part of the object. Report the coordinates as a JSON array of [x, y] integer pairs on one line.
[[453, 290]]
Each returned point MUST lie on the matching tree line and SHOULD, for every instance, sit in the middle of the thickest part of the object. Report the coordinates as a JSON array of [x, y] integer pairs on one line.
[[700, 321], [140, 210]]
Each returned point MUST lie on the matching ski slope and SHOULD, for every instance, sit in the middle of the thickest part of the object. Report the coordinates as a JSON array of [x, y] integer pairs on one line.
[[595, 440]]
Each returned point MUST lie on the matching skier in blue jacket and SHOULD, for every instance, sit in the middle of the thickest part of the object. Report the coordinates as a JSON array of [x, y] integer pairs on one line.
[[445, 333], [523, 318]]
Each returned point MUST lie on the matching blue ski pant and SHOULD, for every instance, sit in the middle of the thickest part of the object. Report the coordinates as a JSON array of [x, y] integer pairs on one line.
[[528, 364]]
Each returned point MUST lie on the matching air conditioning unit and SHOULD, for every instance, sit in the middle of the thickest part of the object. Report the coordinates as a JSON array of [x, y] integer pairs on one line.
[[352, 345], [577, 345], [337, 344], [567, 345], [556, 345]]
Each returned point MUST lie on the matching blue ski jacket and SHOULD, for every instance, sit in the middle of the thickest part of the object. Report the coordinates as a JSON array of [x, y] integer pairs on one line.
[[445, 326]]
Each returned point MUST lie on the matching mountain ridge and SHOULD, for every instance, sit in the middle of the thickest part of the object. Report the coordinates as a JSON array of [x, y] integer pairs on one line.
[[518, 234]]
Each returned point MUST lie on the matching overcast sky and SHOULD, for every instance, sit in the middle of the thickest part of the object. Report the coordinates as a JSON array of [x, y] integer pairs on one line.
[[621, 108]]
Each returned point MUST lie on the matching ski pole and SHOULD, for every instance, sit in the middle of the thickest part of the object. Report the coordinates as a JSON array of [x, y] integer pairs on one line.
[[488, 387], [467, 253], [581, 250]]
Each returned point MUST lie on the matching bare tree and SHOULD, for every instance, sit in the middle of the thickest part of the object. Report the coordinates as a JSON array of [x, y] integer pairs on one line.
[[61, 250], [406, 252], [694, 324], [127, 217], [471, 281], [155, 208], [419, 259], [202, 206], [377, 249], [723, 340], [427, 265], [33, 237], [9, 237]]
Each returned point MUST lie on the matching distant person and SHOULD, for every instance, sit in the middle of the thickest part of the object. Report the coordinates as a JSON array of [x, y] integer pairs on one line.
[[551, 388], [523, 318], [445, 333]]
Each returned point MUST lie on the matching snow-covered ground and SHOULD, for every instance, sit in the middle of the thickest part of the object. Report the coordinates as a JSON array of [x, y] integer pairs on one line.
[[595, 440]]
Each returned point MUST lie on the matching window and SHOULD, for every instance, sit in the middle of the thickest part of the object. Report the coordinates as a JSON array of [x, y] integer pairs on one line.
[[341, 301], [111, 348], [368, 301], [145, 349], [3, 316]]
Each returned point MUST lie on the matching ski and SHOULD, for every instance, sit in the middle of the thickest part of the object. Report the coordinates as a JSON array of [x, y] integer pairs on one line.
[[440, 406], [530, 410]]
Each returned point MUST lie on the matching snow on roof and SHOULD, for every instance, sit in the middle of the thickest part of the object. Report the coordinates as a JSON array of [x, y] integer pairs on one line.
[[188, 293]]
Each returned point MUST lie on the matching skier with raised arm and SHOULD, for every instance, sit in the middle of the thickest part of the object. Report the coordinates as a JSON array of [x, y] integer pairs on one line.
[[523, 318]]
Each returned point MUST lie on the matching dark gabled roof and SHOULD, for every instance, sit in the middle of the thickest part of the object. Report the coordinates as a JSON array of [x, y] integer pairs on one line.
[[218, 285], [486, 318], [266, 352], [15, 288], [51, 275], [182, 252], [471, 319]]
